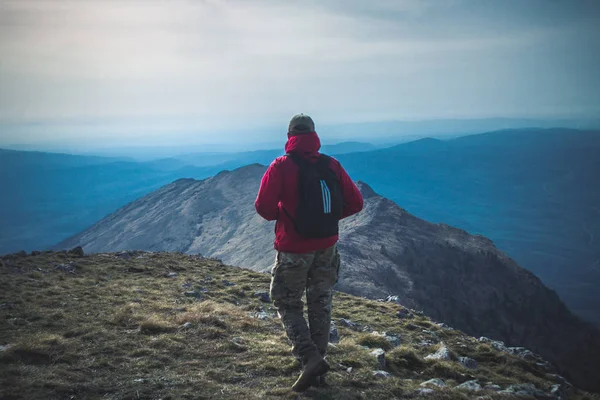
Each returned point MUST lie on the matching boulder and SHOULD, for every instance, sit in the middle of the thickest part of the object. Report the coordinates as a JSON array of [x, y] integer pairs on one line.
[[334, 336], [379, 354], [395, 340], [194, 294], [349, 324], [471, 386], [442, 354], [68, 268], [393, 299], [492, 387], [382, 374], [498, 345], [468, 362], [76, 252], [434, 382], [526, 390]]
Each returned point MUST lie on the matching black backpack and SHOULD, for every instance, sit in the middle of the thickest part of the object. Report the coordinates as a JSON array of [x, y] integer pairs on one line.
[[320, 202]]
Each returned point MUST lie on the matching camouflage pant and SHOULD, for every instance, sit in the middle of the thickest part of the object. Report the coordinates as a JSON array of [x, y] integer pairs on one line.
[[316, 273]]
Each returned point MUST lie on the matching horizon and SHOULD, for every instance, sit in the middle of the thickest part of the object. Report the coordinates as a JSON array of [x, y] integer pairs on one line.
[[155, 151], [236, 71]]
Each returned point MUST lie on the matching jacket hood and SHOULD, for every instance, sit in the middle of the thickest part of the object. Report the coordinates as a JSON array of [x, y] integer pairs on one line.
[[308, 144]]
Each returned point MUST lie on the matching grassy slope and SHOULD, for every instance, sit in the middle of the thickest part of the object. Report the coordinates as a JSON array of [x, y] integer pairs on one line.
[[113, 330]]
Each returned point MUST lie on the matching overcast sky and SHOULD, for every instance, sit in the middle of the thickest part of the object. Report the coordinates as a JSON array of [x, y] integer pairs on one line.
[[125, 70]]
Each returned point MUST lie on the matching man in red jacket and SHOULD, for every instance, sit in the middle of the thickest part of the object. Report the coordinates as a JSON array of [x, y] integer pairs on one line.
[[305, 262]]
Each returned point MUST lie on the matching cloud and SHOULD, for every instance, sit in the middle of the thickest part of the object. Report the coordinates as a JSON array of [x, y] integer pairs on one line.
[[222, 63]]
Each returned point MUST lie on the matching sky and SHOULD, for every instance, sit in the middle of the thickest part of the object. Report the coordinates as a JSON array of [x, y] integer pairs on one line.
[[109, 72]]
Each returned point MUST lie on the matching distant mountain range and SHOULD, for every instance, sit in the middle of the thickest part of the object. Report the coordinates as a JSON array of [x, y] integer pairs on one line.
[[50, 195], [451, 275], [534, 192]]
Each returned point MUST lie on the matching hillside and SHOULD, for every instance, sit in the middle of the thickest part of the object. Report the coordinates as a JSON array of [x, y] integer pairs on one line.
[[137, 325], [534, 192], [454, 277]]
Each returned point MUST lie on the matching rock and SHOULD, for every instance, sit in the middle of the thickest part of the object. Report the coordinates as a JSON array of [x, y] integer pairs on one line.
[[349, 370], [545, 365], [560, 379], [424, 392], [227, 283], [426, 343], [434, 382], [77, 252], [393, 299], [442, 354], [498, 345], [557, 391], [239, 344], [124, 255], [405, 314], [171, 275], [444, 326], [468, 362], [262, 315], [367, 328], [68, 268], [471, 386], [525, 389], [20, 254], [379, 354], [263, 296], [394, 340], [36, 253], [334, 336], [523, 353], [492, 387], [381, 374], [187, 325], [187, 285], [6, 305], [194, 294], [4, 347], [349, 324]]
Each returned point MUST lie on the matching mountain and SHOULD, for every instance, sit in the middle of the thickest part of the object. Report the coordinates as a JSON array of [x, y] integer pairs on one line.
[[392, 131], [138, 325], [534, 192], [45, 195], [452, 276]]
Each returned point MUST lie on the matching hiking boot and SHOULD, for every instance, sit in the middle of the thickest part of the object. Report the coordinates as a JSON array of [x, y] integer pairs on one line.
[[314, 366]]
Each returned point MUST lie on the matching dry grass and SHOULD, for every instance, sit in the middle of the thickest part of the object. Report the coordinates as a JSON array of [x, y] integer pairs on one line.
[[120, 329]]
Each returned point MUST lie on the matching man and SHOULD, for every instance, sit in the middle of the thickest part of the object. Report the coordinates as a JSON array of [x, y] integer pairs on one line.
[[307, 193]]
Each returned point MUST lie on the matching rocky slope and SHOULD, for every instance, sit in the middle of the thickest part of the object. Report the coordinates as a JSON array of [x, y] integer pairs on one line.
[[452, 276], [138, 325]]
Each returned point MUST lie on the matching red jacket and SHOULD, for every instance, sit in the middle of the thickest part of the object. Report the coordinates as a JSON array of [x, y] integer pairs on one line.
[[279, 189]]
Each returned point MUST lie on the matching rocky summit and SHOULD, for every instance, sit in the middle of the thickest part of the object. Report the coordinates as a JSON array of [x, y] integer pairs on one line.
[[150, 325], [451, 276]]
